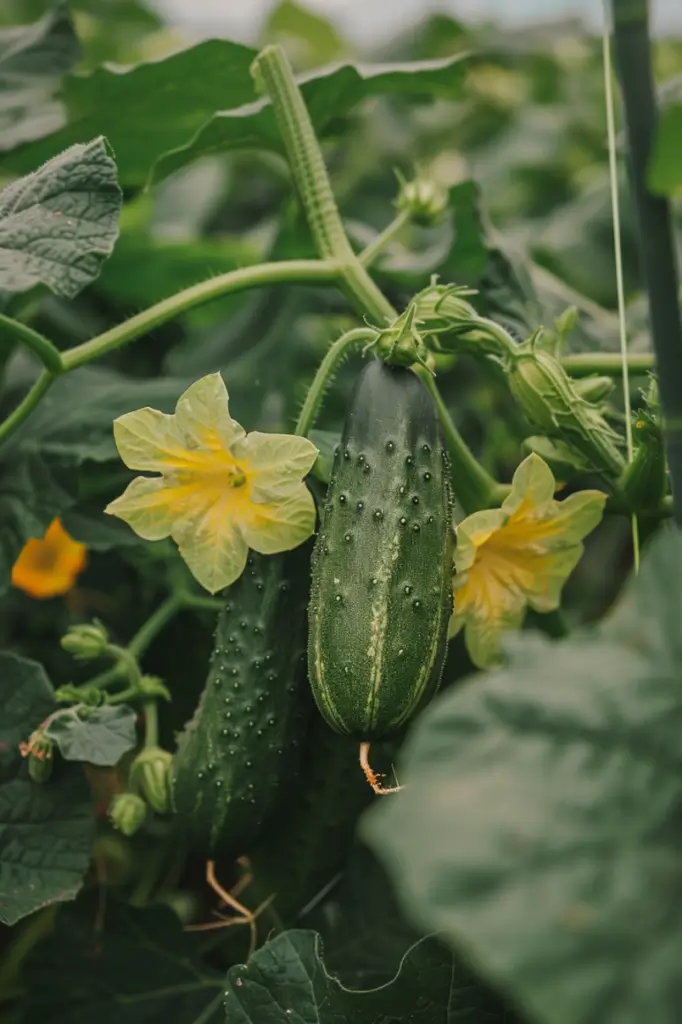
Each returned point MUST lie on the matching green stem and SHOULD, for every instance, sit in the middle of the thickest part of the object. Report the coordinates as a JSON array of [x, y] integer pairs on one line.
[[151, 723], [475, 488], [326, 370], [282, 272], [154, 624], [610, 363], [26, 406], [370, 253], [272, 71], [40, 346], [655, 229]]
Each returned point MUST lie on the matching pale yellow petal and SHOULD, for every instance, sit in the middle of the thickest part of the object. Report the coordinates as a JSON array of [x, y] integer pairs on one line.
[[203, 416], [213, 546], [275, 463], [532, 483], [148, 440], [473, 532], [280, 526], [145, 506]]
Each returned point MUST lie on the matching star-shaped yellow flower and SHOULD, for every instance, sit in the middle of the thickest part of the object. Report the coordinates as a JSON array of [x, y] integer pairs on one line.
[[517, 556], [48, 566], [221, 491]]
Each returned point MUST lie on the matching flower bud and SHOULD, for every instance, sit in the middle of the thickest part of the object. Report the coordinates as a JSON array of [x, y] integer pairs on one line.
[[127, 813], [423, 199], [150, 773], [551, 401], [450, 323], [86, 641], [594, 389], [40, 753], [644, 481]]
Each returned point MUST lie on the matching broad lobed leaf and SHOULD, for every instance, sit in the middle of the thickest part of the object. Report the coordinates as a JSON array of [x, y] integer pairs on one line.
[[539, 824]]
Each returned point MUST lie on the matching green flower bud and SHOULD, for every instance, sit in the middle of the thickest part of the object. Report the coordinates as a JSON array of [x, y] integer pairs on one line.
[[40, 753], [594, 389], [424, 199], [644, 481], [86, 641], [93, 696], [401, 344], [551, 401], [152, 686], [150, 773], [450, 323], [127, 813]]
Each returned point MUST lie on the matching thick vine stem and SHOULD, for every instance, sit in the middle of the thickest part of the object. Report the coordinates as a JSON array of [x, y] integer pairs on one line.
[[326, 370], [610, 363], [272, 71]]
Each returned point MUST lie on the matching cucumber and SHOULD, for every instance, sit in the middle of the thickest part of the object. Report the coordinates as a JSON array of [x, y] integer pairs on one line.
[[381, 592], [302, 852], [241, 750]]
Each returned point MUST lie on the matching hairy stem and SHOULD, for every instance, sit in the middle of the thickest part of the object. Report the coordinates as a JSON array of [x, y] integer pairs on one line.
[[273, 73], [370, 253], [49, 356], [326, 370]]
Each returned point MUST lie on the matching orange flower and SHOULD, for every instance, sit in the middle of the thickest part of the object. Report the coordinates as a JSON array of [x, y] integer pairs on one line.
[[48, 567]]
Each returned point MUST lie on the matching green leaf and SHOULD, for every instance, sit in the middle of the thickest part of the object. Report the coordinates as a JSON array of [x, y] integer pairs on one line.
[[665, 168], [46, 830], [99, 736], [148, 108], [329, 94], [59, 224], [75, 419], [539, 827], [97, 531], [175, 102], [31, 495], [287, 980], [32, 60], [140, 969]]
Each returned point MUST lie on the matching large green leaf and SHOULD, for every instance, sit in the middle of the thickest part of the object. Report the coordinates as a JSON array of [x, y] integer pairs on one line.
[[32, 60], [31, 495], [287, 980], [46, 830], [202, 101], [139, 970], [59, 223], [539, 827], [74, 420], [99, 736]]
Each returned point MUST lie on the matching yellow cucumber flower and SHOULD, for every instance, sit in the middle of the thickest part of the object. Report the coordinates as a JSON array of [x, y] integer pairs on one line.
[[48, 566], [517, 556], [221, 491]]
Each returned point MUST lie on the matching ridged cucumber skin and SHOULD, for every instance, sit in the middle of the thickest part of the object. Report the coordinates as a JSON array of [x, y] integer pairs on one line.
[[381, 593], [300, 853], [239, 754]]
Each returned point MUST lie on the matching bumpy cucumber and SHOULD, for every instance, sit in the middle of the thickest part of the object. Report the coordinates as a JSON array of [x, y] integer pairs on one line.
[[382, 564], [242, 748], [304, 850]]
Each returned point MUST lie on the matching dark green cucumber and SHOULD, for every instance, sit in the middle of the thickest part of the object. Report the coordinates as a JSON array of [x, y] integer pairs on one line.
[[242, 748], [381, 595], [306, 849]]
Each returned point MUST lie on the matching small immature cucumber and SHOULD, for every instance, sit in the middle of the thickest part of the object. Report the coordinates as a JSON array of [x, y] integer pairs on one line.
[[382, 563], [241, 750]]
